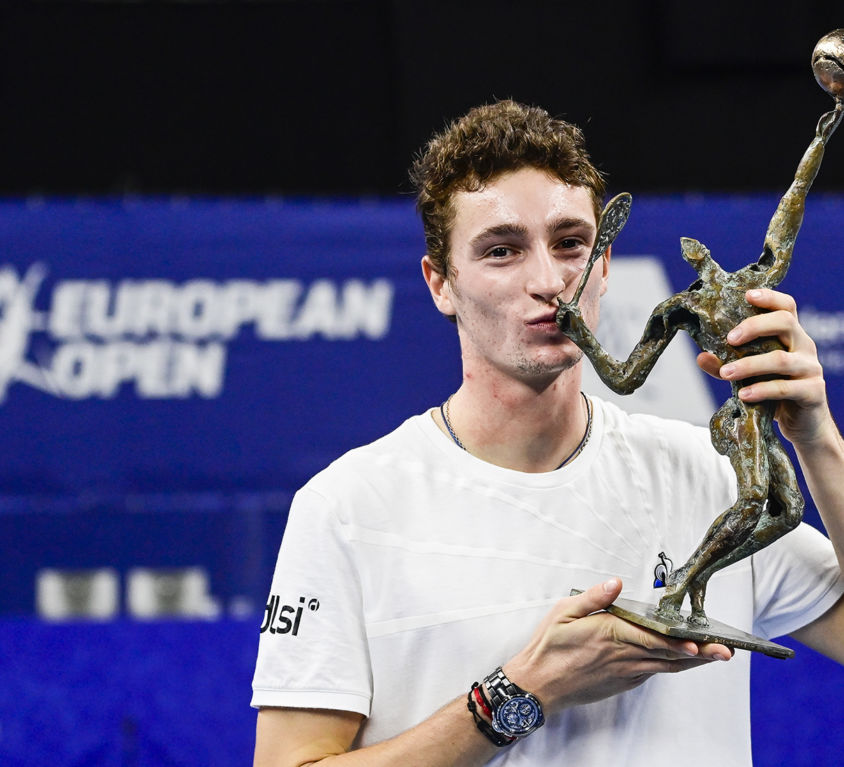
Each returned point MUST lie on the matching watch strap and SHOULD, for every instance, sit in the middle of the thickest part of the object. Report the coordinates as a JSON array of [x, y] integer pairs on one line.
[[498, 738], [501, 688]]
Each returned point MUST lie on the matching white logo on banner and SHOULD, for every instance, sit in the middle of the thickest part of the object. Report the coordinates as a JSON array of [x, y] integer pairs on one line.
[[168, 339]]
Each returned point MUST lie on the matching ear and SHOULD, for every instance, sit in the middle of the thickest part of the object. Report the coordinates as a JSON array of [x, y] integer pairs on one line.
[[605, 270], [439, 286]]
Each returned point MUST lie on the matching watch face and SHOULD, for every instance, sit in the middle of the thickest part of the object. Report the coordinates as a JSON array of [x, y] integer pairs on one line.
[[519, 716]]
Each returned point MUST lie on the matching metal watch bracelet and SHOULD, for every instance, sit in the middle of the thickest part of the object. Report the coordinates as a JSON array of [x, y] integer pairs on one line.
[[516, 713]]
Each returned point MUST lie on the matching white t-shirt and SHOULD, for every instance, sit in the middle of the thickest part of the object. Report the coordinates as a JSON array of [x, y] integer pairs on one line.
[[410, 569]]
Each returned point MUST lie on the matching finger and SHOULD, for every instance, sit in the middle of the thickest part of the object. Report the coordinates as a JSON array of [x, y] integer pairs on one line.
[[671, 666], [661, 647], [805, 392], [649, 643], [598, 597], [709, 364], [716, 651], [773, 300], [777, 363], [779, 324]]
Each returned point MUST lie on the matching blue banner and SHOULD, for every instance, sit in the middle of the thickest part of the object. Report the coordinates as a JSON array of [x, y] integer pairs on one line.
[[168, 366], [172, 370]]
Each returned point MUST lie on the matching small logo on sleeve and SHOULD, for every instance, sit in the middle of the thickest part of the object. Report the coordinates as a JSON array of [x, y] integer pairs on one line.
[[286, 619], [662, 570]]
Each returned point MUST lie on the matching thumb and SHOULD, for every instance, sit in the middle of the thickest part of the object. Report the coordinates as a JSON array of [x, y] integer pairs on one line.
[[598, 597], [709, 364]]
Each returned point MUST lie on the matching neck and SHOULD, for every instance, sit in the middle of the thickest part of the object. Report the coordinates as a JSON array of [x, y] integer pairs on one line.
[[519, 425]]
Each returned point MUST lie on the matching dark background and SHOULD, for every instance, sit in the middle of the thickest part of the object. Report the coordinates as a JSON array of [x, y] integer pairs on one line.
[[332, 97]]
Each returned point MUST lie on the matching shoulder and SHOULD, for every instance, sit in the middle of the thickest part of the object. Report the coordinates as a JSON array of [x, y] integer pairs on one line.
[[408, 438], [378, 464]]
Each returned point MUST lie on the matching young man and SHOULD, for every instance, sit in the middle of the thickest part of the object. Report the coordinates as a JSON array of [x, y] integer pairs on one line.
[[438, 554]]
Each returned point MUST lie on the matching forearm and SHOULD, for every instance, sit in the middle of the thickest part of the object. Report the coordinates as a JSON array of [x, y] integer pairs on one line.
[[446, 739], [822, 462], [289, 738]]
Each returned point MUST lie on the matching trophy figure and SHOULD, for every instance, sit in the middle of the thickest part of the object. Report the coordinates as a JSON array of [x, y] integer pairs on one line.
[[769, 503]]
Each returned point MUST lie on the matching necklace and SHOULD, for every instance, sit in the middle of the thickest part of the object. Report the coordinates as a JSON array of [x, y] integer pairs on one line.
[[444, 412], [447, 421]]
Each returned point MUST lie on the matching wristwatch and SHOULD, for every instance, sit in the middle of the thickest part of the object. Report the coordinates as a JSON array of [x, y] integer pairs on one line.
[[515, 713]]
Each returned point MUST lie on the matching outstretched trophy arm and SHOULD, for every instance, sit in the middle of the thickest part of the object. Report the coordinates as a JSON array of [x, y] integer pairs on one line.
[[627, 376], [622, 377], [786, 221]]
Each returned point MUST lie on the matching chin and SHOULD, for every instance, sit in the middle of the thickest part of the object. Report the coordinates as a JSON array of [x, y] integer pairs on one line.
[[535, 368]]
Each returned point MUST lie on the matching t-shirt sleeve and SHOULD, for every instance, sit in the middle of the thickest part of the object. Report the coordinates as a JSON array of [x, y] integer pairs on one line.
[[312, 651], [796, 580]]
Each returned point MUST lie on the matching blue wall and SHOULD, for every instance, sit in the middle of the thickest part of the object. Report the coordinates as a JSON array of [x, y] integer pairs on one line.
[[172, 370]]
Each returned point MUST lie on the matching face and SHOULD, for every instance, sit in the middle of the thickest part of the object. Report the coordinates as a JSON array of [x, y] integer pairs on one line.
[[517, 245]]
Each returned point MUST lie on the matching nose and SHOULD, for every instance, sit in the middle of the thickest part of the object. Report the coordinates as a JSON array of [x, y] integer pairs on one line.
[[545, 279]]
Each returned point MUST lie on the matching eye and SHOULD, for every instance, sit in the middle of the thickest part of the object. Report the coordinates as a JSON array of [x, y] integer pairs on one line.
[[571, 243], [499, 252], [574, 251]]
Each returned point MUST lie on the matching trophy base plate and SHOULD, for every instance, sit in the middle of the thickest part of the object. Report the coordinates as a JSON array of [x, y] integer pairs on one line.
[[644, 614]]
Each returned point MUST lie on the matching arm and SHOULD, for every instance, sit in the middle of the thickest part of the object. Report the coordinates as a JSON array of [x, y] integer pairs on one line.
[[575, 656], [822, 462], [622, 377], [287, 737], [786, 221], [824, 634], [804, 419]]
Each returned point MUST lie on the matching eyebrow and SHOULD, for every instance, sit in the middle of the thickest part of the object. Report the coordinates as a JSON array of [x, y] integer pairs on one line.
[[571, 222], [520, 230], [499, 230]]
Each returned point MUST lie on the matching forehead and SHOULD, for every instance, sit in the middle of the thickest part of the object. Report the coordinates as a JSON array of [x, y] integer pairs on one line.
[[527, 197]]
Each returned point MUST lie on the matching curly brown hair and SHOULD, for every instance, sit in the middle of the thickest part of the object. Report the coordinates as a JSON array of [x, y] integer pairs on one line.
[[487, 141]]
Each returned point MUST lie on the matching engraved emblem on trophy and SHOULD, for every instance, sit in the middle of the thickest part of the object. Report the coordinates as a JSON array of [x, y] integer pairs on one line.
[[769, 503]]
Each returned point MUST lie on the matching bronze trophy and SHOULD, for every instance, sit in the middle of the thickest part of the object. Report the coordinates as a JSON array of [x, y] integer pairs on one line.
[[769, 502]]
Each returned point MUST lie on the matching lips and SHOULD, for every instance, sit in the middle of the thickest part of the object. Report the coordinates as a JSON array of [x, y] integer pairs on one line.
[[545, 319], [547, 323]]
